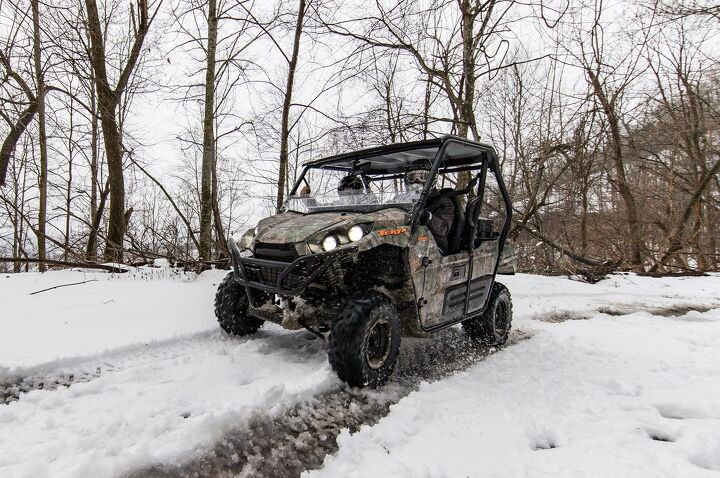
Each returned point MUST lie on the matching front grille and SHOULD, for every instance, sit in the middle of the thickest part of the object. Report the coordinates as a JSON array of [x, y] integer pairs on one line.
[[275, 252], [263, 274], [268, 272], [302, 270]]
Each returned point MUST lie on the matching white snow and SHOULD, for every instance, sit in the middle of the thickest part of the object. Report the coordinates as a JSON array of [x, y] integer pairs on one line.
[[578, 397], [112, 311], [177, 389]]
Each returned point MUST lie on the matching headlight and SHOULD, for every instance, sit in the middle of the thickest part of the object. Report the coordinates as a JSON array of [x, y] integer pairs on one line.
[[247, 239], [329, 243], [355, 233]]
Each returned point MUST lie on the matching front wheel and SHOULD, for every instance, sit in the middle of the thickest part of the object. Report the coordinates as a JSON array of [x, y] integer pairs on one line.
[[365, 340], [231, 304], [492, 327]]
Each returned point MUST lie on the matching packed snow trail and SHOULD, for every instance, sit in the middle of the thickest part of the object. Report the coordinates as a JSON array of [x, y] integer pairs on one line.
[[154, 381], [636, 395]]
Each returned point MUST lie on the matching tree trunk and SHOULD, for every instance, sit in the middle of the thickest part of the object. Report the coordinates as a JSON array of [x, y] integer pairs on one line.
[[285, 126], [618, 160], [91, 250], [113, 151], [42, 136], [68, 190], [208, 154], [222, 250], [108, 100]]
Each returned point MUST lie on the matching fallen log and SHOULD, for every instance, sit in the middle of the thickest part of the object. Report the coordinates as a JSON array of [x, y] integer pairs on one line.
[[51, 262]]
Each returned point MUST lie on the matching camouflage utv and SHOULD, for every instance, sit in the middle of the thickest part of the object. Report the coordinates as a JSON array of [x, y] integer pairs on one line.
[[361, 270]]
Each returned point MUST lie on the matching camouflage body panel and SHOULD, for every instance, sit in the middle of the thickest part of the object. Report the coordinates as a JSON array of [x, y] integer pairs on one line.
[[299, 229], [442, 272], [291, 227], [432, 280], [508, 259]]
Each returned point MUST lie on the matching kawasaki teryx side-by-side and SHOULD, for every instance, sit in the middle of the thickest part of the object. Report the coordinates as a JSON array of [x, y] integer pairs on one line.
[[362, 267]]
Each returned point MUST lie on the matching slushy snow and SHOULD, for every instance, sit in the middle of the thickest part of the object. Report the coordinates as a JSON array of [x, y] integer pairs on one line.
[[620, 378]]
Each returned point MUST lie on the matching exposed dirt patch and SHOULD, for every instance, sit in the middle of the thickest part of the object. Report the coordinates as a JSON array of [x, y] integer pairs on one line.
[[11, 388], [656, 436], [298, 438], [545, 446], [667, 311], [623, 309], [557, 317]]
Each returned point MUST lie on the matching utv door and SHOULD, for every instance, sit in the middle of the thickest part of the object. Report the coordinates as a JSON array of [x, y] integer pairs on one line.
[[455, 287], [439, 282]]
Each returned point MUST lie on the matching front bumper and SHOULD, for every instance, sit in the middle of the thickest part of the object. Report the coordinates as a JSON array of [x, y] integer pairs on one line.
[[282, 278]]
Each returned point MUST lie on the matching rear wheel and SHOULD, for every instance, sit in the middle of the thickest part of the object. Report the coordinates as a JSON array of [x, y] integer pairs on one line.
[[492, 327], [231, 306], [365, 340]]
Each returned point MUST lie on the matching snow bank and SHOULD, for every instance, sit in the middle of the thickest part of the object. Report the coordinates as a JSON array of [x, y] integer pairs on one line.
[[107, 312]]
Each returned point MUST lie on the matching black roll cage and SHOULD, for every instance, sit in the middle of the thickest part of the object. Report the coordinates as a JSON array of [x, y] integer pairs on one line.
[[489, 160]]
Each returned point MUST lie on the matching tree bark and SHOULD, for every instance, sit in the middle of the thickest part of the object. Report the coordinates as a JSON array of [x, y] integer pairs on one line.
[[20, 125], [16, 131], [285, 126], [68, 189], [91, 250], [208, 154], [108, 100], [42, 136]]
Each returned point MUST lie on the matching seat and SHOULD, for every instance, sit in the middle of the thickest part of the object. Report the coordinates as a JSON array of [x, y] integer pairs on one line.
[[455, 233], [472, 211]]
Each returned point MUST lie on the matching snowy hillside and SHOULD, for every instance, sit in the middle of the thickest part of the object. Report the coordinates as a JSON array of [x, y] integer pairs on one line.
[[128, 374]]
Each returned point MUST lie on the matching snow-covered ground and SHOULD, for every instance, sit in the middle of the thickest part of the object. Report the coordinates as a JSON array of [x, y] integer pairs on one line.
[[634, 390]]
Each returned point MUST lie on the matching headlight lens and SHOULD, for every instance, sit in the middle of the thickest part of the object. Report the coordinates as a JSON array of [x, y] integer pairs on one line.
[[329, 243], [247, 239], [355, 233]]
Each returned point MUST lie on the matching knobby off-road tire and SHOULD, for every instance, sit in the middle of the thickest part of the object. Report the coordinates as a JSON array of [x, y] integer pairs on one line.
[[231, 305], [493, 326], [365, 340]]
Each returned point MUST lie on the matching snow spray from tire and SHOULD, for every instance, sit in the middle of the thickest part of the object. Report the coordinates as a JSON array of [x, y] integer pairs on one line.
[[298, 438]]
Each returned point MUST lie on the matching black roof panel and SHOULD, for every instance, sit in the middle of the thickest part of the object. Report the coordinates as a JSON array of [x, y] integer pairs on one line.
[[400, 157]]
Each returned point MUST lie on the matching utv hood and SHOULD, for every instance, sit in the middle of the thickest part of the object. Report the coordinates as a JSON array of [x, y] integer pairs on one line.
[[292, 227]]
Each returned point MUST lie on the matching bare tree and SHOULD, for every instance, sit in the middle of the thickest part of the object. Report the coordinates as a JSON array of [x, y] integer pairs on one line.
[[208, 154], [108, 101], [42, 135], [292, 62]]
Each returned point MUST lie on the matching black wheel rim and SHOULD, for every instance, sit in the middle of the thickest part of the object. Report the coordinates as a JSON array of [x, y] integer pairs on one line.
[[500, 319], [378, 344]]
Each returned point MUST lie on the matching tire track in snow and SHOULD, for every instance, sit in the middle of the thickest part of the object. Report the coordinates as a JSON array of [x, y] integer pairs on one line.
[[299, 437], [68, 372], [620, 309]]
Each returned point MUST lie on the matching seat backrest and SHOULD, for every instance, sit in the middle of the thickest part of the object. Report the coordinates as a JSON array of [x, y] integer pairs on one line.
[[456, 229], [471, 222]]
